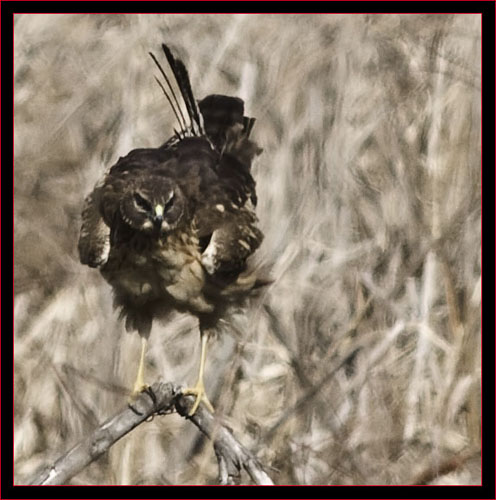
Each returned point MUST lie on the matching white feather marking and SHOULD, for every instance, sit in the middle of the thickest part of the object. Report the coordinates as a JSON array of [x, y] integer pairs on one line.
[[249, 204], [208, 258], [105, 251], [244, 244]]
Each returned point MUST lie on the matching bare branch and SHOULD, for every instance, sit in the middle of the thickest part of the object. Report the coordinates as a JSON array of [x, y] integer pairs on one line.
[[231, 455], [106, 435]]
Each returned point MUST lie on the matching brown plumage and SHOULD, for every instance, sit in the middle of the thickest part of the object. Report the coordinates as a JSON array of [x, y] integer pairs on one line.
[[171, 228]]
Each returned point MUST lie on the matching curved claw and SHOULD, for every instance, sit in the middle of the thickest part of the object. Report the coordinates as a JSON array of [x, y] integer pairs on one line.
[[133, 409], [151, 394], [199, 392], [139, 389]]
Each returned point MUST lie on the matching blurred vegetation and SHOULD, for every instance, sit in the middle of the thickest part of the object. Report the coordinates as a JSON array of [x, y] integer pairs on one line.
[[361, 364]]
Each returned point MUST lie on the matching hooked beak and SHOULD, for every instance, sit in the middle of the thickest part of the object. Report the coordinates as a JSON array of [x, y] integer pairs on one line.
[[158, 216], [158, 219]]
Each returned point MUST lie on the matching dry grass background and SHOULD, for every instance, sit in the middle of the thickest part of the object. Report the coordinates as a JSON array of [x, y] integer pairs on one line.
[[369, 196]]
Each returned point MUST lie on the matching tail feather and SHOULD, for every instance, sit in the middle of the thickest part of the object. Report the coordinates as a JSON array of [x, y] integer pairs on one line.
[[248, 125], [178, 112], [219, 117], [183, 82], [222, 114]]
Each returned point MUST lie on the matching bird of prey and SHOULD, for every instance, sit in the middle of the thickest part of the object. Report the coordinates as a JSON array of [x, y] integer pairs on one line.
[[171, 228]]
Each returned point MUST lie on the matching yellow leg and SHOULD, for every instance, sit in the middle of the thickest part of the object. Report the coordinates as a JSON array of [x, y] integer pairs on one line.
[[139, 385], [199, 389]]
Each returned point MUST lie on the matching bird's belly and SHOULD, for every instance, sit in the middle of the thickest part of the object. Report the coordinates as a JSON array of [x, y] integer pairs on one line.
[[170, 270]]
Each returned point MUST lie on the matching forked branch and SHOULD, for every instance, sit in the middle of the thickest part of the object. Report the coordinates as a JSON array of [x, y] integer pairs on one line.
[[231, 455]]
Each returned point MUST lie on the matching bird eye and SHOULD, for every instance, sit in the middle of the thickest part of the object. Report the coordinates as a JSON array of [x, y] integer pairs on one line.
[[142, 202]]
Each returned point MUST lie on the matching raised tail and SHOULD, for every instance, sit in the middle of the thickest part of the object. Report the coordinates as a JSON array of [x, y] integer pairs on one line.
[[191, 124], [219, 117], [223, 115], [182, 78]]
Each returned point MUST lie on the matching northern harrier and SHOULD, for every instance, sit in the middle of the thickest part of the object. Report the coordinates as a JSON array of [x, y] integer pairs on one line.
[[171, 228]]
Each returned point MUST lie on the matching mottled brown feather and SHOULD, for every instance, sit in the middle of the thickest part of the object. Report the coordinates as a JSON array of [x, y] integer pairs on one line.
[[199, 263]]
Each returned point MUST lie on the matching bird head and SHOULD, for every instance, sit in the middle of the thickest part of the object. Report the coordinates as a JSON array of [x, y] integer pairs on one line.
[[155, 206]]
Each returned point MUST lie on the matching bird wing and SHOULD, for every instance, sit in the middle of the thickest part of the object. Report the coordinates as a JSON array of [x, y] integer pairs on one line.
[[211, 163], [231, 242], [225, 218], [94, 237]]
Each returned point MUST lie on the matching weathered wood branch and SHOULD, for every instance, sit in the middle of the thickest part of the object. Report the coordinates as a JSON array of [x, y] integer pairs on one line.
[[231, 455]]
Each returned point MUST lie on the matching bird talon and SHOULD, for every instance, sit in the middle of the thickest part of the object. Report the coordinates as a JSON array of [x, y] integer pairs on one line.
[[199, 392], [138, 389], [149, 391], [134, 410]]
